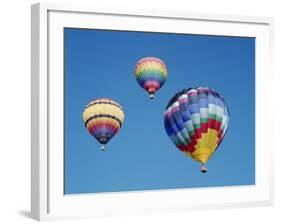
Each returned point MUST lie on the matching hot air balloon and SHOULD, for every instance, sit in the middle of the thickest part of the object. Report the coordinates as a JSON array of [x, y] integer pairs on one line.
[[103, 118], [151, 74], [196, 120]]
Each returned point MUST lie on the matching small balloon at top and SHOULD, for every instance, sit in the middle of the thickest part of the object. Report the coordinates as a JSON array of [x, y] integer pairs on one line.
[[151, 74]]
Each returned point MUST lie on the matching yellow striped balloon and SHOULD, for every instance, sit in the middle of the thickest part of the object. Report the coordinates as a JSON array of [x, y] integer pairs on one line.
[[103, 118]]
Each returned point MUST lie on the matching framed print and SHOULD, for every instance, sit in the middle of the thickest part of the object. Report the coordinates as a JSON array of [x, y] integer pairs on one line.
[[148, 111]]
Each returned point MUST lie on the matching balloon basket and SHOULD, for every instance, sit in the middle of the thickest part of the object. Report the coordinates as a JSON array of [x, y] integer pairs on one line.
[[203, 169], [102, 147], [151, 96]]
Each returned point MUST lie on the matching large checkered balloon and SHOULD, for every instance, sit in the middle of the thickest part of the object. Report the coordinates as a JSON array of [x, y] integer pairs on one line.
[[196, 120]]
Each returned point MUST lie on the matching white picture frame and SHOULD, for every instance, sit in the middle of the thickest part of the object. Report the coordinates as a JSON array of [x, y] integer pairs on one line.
[[48, 201]]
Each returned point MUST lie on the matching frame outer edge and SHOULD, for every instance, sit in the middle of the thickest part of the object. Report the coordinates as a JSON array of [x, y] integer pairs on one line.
[[273, 90], [68, 7], [35, 112], [39, 202]]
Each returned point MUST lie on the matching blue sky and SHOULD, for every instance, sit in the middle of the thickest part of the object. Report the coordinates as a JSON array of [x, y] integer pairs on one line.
[[100, 63]]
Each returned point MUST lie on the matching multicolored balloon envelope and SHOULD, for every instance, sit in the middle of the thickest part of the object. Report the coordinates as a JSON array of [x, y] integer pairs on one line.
[[103, 118], [151, 74], [196, 120]]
